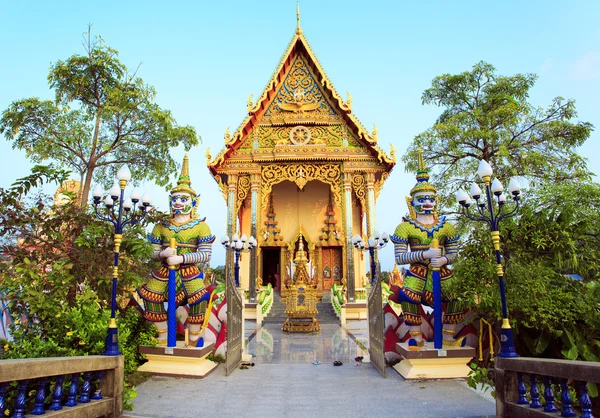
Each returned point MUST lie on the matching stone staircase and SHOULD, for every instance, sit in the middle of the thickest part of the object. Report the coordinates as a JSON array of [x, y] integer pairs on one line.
[[326, 313], [277, 313]]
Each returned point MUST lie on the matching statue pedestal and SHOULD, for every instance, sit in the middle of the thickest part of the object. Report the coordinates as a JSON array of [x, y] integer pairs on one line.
[[178, 361], [429, 363]]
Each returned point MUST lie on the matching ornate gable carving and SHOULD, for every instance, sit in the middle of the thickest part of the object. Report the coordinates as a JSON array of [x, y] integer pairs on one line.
[[299, 96]]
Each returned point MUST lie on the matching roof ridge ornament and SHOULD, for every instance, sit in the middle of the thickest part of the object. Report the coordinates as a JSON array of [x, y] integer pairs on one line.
[[298, 29]]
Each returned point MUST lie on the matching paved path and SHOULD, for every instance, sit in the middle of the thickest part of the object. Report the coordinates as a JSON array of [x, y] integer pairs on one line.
[[284, 383]]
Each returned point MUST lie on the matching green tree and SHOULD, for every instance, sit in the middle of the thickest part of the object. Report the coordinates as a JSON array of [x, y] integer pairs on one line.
[[103, 116], [488, 116], [57, 273], [556, 236]]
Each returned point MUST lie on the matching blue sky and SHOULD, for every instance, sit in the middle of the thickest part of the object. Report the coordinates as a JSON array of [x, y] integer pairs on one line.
[[205, 58]]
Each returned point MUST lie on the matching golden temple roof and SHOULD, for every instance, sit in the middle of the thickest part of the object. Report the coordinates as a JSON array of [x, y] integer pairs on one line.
[[256, 110]]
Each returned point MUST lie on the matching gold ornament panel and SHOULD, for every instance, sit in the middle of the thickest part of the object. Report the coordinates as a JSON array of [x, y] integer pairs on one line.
[[358, 185], [299, 92], [268, 136], [243, 187], [300, 174]]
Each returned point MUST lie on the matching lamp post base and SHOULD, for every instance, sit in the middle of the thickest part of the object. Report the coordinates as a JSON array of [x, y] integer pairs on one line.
[[112, 342], [507, 345]]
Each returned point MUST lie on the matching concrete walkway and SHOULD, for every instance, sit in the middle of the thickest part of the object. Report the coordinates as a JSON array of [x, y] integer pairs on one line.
[[285, 383]]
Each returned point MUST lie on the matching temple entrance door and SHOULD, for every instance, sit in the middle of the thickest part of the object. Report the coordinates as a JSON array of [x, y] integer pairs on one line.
[[271, 269], [331, 270]]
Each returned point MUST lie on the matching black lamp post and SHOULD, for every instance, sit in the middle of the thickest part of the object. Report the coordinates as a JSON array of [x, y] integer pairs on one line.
[[492, 216], [124, 215]]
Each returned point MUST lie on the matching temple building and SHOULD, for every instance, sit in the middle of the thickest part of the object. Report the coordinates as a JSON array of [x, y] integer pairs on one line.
[[302, 175]]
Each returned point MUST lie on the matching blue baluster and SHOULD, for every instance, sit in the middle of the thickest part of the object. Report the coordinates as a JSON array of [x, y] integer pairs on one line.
[[549, 396], [535, 393], [40, 397], [565, 400], [98, 394], [522, 390], [85, 388], [20, 399], [57, 394], [3, 387], [72, 398], [584, 401]]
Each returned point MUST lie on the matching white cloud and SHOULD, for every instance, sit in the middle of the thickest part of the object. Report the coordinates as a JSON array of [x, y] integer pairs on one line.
[[586, 68]]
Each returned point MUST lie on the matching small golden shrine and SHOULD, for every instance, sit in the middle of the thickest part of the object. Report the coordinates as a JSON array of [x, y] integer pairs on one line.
[[301, 157]]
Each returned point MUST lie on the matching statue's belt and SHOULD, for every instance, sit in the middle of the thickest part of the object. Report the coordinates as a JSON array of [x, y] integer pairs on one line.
[[187, 271], [421, 271]]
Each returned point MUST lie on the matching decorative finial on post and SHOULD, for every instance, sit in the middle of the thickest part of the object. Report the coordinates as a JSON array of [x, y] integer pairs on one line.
[[250, 103], [227, 136], [298, 29]]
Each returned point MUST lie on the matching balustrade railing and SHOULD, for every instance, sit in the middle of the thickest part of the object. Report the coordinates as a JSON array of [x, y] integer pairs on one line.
[[529, 387], [95, 387]]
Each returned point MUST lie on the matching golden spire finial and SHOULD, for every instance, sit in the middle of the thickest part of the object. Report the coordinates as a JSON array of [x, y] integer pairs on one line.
[[298, 29], [184, 184], [185, 168], [421, 166]]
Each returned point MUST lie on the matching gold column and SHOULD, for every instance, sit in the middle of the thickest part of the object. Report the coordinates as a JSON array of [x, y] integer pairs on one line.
[[349, 248], [254, 189], [370, 204], [231, 217]]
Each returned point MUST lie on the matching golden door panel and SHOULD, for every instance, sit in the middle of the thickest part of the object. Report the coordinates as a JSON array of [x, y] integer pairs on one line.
[[331, 267]]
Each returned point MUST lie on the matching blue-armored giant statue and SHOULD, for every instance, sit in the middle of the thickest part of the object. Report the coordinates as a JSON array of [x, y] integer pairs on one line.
[[414, 244], [193, 246]]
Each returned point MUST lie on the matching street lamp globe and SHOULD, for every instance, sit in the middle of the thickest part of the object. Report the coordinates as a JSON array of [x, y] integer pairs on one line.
[[475, 191], [484, 169], [514, 187], [124, 174], [497, 187]]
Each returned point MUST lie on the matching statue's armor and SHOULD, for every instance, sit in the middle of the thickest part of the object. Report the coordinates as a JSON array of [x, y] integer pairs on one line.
[[418, 285], [194, 243]]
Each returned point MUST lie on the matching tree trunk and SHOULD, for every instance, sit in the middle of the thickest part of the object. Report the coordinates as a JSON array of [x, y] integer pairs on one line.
[[86, 186]]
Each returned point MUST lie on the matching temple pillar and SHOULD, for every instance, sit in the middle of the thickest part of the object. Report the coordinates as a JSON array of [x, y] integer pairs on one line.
[[254, 189], [348, 234], [231, 217], [370, 206]]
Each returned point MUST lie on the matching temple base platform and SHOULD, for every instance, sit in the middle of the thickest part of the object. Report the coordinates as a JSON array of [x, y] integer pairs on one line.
[[429, 363], [301, 325], [178, 361]]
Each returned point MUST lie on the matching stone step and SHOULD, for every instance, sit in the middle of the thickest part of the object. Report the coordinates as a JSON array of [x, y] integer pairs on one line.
[[326, 313]]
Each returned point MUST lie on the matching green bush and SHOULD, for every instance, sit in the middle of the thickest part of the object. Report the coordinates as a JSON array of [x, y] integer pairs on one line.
[[59, 277]]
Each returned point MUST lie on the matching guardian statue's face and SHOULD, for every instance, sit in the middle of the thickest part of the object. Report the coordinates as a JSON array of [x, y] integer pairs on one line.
[[424, 203], [181, 203]]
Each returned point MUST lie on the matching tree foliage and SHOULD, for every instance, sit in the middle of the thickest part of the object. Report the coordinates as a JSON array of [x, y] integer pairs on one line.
[[488, 116], [103, 116], [556, 235], [56, 276]]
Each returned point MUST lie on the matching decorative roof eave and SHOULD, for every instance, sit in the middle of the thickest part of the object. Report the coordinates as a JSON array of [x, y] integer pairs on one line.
[[232, 142]]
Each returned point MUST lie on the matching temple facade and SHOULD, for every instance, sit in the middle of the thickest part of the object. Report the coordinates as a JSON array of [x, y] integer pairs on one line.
[[301, 173]]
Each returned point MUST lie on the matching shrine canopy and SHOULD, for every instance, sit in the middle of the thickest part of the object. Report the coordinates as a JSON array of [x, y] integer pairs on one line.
[[300, 117]]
